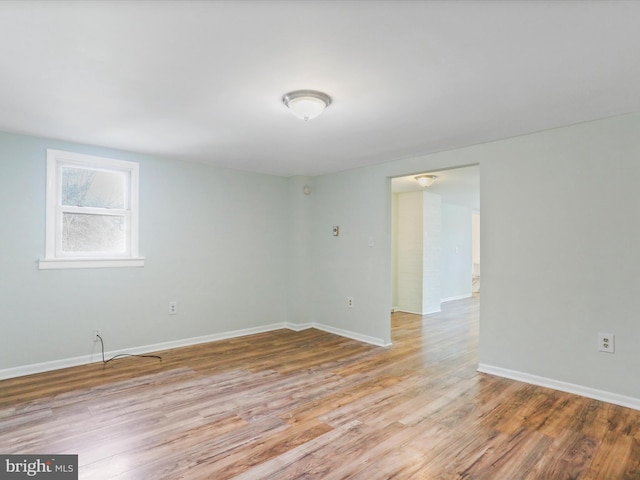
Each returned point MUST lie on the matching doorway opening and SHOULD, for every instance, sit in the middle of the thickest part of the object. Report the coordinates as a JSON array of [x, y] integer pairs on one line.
[[435, 239]]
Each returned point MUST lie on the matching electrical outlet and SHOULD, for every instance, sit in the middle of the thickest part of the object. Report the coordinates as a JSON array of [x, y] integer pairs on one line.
[[606, 342], [349, 302], [173, 308], [96, 334]]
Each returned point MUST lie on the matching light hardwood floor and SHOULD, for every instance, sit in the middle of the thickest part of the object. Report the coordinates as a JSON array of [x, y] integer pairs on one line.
[[311, 404]]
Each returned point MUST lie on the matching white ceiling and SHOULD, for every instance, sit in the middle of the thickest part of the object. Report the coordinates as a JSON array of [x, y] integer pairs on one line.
[[203, 80]]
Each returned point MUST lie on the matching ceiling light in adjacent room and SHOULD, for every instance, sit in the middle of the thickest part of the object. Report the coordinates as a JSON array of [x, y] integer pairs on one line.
[[306, 104], [426, 180]]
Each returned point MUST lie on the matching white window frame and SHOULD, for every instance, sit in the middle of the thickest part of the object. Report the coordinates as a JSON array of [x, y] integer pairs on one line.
[[55, 258]]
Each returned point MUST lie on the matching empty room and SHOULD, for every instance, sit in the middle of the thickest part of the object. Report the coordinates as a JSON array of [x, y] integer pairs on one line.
[[319, 239]]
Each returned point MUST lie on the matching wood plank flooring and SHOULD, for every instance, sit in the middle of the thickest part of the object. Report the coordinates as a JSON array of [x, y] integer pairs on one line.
[[309, 404]]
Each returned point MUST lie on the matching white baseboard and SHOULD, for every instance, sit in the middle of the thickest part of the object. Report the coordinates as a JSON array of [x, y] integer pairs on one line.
[[378, 342], [94, 358], [45, 366], [609, 397], [418, 313], [297, 327], [457, 297]]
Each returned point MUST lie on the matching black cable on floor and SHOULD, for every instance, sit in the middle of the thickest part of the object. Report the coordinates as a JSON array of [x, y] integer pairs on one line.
[[123, 354]]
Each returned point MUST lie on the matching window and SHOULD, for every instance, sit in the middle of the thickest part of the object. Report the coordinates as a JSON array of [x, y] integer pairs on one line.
[[92, 212]]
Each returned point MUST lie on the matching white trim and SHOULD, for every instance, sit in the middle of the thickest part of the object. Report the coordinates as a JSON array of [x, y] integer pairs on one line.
[[378, 342], [418, 313], [94, 358], [202, 339], [609, 397], [54, 256], [86, 359], [297, 327], [404, 310], [51, 195], [44, 367], [63, 263], [457, 297]]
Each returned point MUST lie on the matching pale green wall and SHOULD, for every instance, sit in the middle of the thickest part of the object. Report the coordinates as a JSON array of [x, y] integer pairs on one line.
[[560, 230], [215, 241], [560, 260], [560, 233], [359, 202], [298, 299]]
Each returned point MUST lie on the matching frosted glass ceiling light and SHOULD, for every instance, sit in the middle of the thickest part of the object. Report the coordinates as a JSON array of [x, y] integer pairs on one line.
[[426, 180], [306, 104]]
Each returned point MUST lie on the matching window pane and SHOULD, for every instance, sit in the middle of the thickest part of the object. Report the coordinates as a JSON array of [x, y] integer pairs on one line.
[[93, 233], [84, 187]]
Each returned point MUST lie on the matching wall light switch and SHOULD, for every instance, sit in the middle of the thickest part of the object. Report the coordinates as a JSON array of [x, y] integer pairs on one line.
[[336, 231]]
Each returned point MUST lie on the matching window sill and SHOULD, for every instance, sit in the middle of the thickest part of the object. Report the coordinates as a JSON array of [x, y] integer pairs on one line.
[[66, 263]]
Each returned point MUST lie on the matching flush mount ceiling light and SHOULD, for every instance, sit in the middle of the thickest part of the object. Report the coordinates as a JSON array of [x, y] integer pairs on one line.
[[306, 104], [426, 180]]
